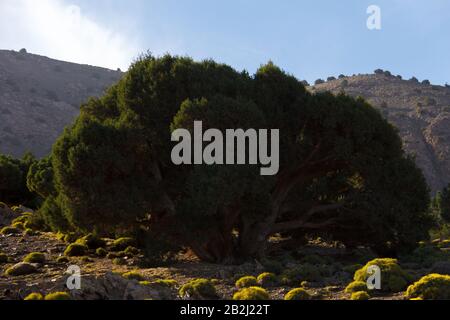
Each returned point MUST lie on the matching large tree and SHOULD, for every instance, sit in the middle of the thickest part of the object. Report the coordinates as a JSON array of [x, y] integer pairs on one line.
[[342, 168]]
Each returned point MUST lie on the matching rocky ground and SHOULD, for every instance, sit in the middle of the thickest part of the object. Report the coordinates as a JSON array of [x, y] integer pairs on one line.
[[326, 269]]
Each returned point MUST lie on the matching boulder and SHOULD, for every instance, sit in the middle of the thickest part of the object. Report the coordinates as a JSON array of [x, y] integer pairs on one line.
[[22, 269], [6, 215], [112, 286]]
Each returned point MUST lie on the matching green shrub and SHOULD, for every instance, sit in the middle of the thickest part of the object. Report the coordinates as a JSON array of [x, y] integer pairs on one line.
[[58, 296], [314, 259], [114, 255], [10, 231], [431, 287], [131, 251], [305, 272], [75, 250], [28, 232], [251, 293], [198, 289], [3, 258], [22, 219], [170, 283], [92, 241], [352, 268], [122, 243], [356, 286], [101, 252], [35, 257], [393, 277], [119, 261], [34, 296], [426, 256], [267, 280], [69, 237], [297, 294], [360, 295], [18, 225], [444, 244], [247, 281], [133, 275], [86, 259], [273, 266], [62, 259]]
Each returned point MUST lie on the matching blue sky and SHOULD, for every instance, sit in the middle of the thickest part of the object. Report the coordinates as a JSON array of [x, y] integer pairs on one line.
[[310, 39]]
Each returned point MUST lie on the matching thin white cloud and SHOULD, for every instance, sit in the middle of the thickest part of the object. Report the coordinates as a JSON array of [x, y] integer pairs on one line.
[[60, 30]]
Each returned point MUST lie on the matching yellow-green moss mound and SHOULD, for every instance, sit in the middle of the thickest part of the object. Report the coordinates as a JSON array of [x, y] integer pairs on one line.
[[247, 281], [360, 295], [393, 277], [133, 275], [267, 280], [34, 296], [76, 250], [431, 287], [297, 294], [199, 289], [251, 293], [35, 257], [356, 286], [58, 296]]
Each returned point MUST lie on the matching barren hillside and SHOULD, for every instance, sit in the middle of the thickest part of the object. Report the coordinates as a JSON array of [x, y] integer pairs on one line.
[[420, 111], [40, 96]]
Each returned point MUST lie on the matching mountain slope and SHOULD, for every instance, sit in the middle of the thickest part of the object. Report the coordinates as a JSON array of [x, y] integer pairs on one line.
[[40, 96], [420, 111]]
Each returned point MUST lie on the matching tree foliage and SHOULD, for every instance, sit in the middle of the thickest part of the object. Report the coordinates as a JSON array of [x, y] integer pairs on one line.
[[343, 172], [441, 204], [13, 175]]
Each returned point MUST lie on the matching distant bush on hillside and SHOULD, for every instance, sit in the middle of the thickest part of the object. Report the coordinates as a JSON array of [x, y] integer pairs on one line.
[[319, 81], [414, 79], [331, 78], [23, 50], [305, 83], [379, 71], [426, 82], [342, 76]]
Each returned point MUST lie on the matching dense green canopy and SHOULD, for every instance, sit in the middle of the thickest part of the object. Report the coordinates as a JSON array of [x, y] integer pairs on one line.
[[343, 172]]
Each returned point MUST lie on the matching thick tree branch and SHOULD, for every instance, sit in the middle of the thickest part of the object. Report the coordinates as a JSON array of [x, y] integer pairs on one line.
[[302, 222]]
